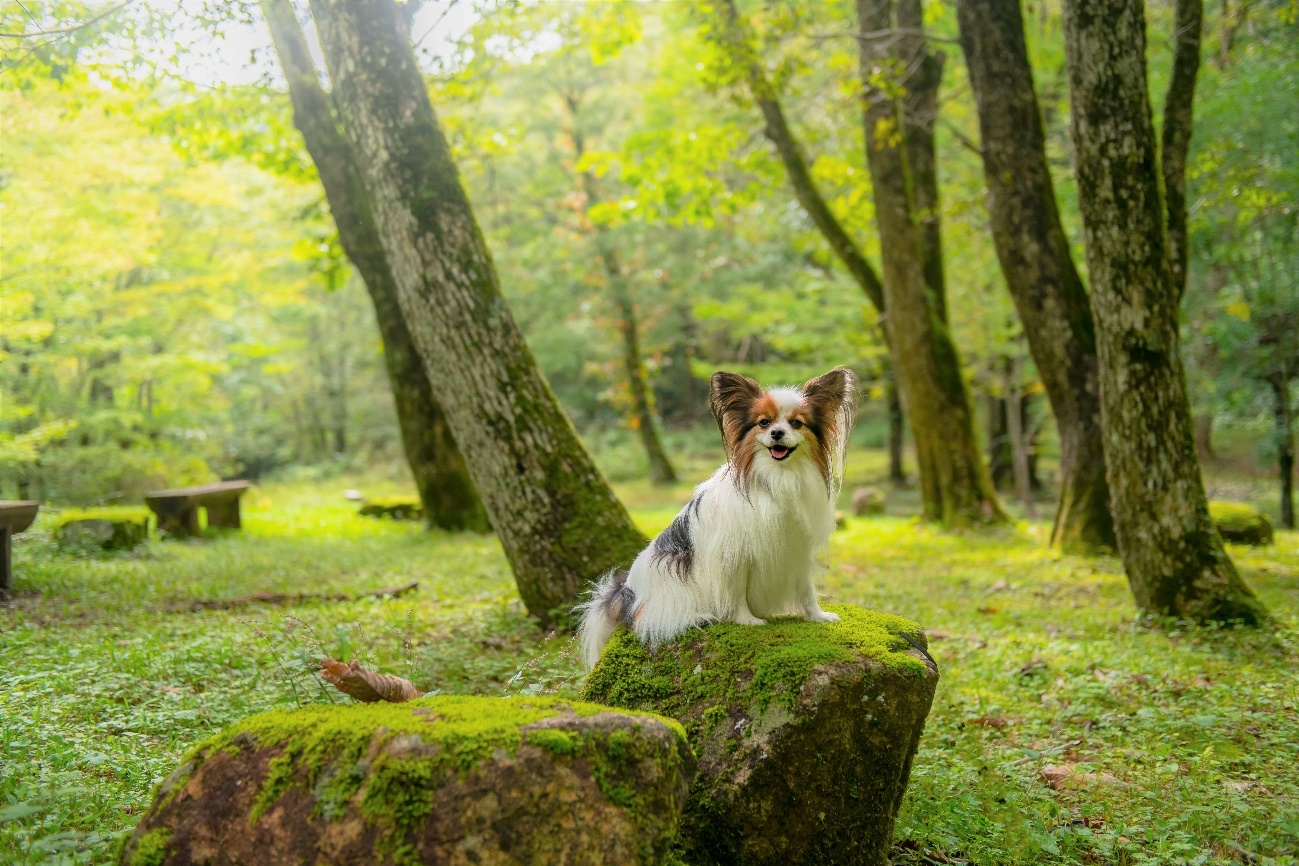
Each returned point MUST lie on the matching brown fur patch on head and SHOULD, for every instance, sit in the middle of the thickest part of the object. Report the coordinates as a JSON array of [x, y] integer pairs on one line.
[[828, 411], [736, 402]]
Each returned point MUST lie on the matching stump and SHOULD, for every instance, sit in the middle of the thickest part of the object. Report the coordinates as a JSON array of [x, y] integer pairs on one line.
[[805, 732], [1240, 523], [394, 507], [104, 528], [867, 501], [441, 780]]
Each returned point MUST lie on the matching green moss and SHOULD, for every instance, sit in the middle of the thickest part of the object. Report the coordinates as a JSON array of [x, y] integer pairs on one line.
[[330, 752], [752, 666], [1241, 523], [556, 741], [111, 514], [152, 848]]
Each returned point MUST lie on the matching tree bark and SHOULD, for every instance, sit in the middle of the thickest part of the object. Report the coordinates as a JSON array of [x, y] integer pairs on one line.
[[1174, 558], [1019, 438], [897, 438], [1204, 436], [1037, 264], [1001, 463], [558, 520], [445, 489], [1284, 417], [955, 486], [1178, 105]]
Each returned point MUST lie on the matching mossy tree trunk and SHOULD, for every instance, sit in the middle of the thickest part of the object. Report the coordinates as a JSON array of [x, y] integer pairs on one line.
[[1037, 264], [445, 489], [558, 520], [897, 432], [1283, 414], [1176, 138], [955, 485], [1174, 558]]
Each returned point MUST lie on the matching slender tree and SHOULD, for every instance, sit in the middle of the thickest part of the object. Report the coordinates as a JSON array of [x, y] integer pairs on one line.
[[955, 484], [558, 520], [1176, 138], [1037, 264], [1174, 558], [445, 489]]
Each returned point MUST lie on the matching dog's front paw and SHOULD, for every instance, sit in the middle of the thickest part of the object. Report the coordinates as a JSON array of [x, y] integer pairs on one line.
[[823, 616], [750, 619]]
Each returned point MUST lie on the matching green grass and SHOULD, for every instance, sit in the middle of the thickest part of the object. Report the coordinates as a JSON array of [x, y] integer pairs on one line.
[[1184, 742]]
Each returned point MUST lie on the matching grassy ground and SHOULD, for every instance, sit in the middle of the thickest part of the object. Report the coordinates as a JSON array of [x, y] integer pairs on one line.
[[1175, 745]]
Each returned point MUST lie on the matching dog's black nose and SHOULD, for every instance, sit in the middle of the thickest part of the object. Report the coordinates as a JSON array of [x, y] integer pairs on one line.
[[777, 434]]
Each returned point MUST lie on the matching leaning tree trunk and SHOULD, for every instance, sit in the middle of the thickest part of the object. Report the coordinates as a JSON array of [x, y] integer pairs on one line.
[[1176, 139], [558, 520], [1174, 558], [1037, 264], [445, 489], [954, 483], [1284, 416]]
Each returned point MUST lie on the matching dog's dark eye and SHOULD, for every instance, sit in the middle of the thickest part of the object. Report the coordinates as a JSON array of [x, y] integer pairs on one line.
[[764, 423], [796, 424]]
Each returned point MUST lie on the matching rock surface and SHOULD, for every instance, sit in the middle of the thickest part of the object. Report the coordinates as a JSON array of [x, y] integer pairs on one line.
[[867, 501], [106, 528], [804, 731], [441, 780], [1240, 523]]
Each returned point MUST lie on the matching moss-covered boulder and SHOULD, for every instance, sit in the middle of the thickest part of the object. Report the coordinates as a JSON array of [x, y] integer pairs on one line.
[[804, 731], [1240, 523], [867, 501], [393, 507], [445, 780], [115, 528]]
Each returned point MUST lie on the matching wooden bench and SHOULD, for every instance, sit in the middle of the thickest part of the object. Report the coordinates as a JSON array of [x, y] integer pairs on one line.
[[15, 517], [177, 510]]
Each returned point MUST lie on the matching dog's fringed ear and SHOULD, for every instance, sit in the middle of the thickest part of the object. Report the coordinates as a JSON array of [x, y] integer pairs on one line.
[[729, 396], [832, 392]]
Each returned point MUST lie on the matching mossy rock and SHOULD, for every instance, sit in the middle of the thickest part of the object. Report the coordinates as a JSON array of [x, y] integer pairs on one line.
[[868, 501], [394, 507], [1240, 523], [805, 732], [436, 780], [115, 528]]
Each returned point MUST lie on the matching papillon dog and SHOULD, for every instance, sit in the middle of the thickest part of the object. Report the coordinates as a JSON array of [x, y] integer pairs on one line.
[[746, 545]]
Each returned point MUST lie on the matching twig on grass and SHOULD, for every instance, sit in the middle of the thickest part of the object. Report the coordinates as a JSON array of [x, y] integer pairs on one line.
[[290, 598]]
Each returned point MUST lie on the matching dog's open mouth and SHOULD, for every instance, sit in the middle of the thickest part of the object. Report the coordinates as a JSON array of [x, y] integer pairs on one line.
[[780, 452]]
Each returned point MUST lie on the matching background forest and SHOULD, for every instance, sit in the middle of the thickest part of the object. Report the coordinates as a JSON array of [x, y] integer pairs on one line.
[[176, 306], [208, 272]]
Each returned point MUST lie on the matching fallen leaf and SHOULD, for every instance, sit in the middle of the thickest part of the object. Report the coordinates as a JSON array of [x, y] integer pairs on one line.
[[989, 609], [1037, 665], [1055, 774], [367, 686], [937, 635], [990, 721], [999, 586]]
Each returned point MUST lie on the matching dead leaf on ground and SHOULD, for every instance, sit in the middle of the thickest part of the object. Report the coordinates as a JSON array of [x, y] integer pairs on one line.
[[999, 586], [937, 635], [1037, 665], [989, 609], [990, 721], [366, 686], [1064, 777]]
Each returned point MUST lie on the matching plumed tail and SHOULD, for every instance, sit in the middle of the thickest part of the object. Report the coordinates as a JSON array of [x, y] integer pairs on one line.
[[608, 605]]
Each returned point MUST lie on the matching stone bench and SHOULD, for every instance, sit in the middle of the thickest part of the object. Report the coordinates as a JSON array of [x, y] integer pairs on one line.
[[804, 732], [177, 509], [15, 517], [444, 779]]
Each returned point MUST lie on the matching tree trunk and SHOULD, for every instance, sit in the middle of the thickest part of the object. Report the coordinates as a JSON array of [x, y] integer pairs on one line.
[[1178, 103], [1039, 269], [441, 477], [897, 437], [1019, 438], [1282, 412], [1174, 558], [954, 483], [1001, 463], [661, 471], [558, 520], [1204, 436]]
